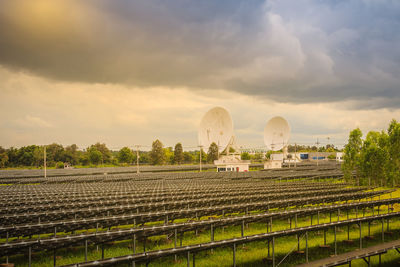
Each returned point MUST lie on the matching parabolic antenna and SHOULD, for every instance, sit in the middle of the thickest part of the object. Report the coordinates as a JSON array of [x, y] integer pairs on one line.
[[276, 133], [216, 126]]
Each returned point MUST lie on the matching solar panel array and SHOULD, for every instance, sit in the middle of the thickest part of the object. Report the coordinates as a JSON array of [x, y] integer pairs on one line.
[[63, 205]]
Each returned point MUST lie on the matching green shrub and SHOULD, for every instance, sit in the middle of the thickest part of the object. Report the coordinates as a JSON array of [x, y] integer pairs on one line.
[[60, 165]]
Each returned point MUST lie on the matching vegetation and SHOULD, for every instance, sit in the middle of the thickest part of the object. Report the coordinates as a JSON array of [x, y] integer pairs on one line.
[[178, 154], [125, 155], [212, 153], [375, 160], [97, 154], [157, 154], [245, 156], [304, 148]]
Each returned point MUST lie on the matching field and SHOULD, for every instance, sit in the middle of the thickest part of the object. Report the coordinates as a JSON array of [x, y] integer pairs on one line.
[[281, 217]]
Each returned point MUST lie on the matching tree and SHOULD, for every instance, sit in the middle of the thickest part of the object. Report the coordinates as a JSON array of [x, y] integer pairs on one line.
[[12, 157], [157, 154], [54, 153], [393, 167], [258, 156], [95, 157], [188, 157], [72, 154], [125, 155], [373, 159], [169, 155], [245, 156], [25, 156], [178, 153], [105, 152], [3, 158], [332, 157], [38, 156], [351, 155], [212, 153], [203, 156], [144, 157]]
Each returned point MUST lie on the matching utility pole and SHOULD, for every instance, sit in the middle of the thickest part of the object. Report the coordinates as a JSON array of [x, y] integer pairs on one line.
[[295, 155], [44, 156], [201, 147], [317, 150], [137, 158], [218, 151]]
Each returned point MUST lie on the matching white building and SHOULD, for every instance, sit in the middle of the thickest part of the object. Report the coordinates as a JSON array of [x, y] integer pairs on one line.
[[232, 163], [275, 161], [339, 156]]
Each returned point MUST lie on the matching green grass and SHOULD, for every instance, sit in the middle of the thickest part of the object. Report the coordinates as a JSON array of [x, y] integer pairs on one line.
[[252, 254]]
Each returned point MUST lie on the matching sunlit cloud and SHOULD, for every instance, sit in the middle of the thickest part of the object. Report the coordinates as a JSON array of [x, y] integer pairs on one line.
[[127, 72]]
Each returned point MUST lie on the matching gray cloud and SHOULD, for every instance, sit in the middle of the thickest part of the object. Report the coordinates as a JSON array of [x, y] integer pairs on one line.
[[290, 51]]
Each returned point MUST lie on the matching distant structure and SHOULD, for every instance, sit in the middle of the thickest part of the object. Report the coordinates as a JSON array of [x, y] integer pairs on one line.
[[275, 161], [321, 156], [276, 137], [216, 127], [232, 163]]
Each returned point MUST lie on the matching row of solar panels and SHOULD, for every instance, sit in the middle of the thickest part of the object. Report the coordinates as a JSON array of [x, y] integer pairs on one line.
[[151, 206], [59, 203], [112, 221], [152, 255]]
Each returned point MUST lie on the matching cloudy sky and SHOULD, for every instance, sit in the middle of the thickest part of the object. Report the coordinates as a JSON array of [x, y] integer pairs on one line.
[[126, 72]]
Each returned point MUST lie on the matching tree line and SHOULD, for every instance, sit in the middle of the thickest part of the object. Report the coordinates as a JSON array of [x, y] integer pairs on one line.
[[375, 160], [99, 154]]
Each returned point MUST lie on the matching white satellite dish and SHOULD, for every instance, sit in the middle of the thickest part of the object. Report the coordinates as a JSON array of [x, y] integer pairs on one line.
[[276, 133], [216, 126]]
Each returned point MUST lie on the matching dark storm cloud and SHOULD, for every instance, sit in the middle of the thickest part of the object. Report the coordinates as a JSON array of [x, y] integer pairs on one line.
[[290, 51]]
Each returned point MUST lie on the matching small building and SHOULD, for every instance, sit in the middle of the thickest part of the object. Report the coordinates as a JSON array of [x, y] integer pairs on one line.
[[275, 161], [314, 156], [339, 156], [232, 163], [304, 156], [67, 165]]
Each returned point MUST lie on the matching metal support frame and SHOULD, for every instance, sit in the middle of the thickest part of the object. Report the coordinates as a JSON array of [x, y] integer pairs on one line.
[[270, 224], [29, 256], [360, 225], [348, 232], [273, 251], [212, 233], [175, 239], [134, 243], [86, 250], [306, 246], [234, 254], [335, 240], [54, 258]]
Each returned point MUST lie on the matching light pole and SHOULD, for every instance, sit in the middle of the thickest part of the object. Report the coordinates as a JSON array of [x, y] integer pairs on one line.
[[201, 147], [137, 159], [44, 157], [317, 150]]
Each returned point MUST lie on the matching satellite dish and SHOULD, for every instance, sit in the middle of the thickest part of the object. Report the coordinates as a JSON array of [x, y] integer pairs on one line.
[[276, 133], [216, 126]]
